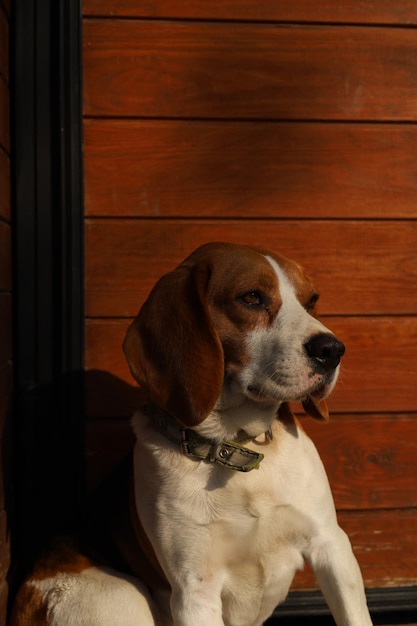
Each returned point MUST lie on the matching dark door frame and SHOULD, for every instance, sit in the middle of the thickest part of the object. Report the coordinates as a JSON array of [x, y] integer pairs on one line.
[[49, 285], [48, 268]]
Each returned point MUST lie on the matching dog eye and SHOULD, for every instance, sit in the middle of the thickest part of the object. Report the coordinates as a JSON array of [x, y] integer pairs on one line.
[[311, 304], [252, 298]]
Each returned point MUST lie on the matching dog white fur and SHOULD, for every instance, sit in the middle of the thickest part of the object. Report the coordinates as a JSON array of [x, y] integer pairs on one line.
[[222, 345]]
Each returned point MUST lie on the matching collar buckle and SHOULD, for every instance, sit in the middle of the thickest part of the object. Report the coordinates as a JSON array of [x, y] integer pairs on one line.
[[231, 454], [185, 443]]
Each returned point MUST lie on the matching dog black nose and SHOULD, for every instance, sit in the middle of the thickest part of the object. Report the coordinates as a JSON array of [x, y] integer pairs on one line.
[[326, 350]]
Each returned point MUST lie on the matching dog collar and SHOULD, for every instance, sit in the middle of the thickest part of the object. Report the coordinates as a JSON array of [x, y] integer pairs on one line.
[[230, 454]]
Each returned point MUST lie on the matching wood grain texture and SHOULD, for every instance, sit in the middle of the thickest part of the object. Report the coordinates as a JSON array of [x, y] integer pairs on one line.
[[249, 169], [379, 368], [104, 353], [235, 130], [183, 69], [384, 544], [359, 267], [349, 11], [371, 460]]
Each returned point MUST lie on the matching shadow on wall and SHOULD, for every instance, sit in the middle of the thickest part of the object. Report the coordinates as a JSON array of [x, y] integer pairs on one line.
[[54, 447]]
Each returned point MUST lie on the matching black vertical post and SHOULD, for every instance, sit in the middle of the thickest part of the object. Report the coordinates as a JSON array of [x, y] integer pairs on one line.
[[48, 268]]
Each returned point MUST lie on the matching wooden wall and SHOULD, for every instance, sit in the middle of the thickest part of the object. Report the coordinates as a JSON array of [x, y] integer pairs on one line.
[[290, 125], [5, 304]]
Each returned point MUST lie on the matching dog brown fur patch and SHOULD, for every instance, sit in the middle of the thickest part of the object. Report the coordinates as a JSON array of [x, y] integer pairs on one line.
[[29, 608], [62, 557]]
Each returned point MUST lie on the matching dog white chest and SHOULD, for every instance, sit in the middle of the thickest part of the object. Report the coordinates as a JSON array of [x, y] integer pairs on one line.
[[255, 559], [231, 537]]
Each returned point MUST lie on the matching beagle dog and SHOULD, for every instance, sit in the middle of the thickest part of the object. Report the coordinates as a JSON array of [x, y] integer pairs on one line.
[[226, 496]]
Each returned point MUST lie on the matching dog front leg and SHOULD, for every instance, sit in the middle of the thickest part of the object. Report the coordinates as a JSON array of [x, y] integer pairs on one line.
[[197, 604], [338, 574]]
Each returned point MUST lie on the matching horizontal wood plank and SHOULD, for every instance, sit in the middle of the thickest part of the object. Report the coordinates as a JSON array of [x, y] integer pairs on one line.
[[142, 68], [249, 169], [359, 267], [109, 394], [379, 368], [104, 353], [371, 460], [378, 373], [350, 11]]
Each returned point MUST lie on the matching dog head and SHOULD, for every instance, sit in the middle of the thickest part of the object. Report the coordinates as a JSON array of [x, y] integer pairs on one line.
[[237, 322]]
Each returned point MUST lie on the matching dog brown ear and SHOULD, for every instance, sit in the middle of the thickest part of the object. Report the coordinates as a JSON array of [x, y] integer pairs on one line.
[[285, 413], [173, 349], [316, 408]]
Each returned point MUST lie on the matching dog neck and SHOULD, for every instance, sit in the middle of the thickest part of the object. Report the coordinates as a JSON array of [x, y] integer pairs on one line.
[[235, 412], [231, 453]]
